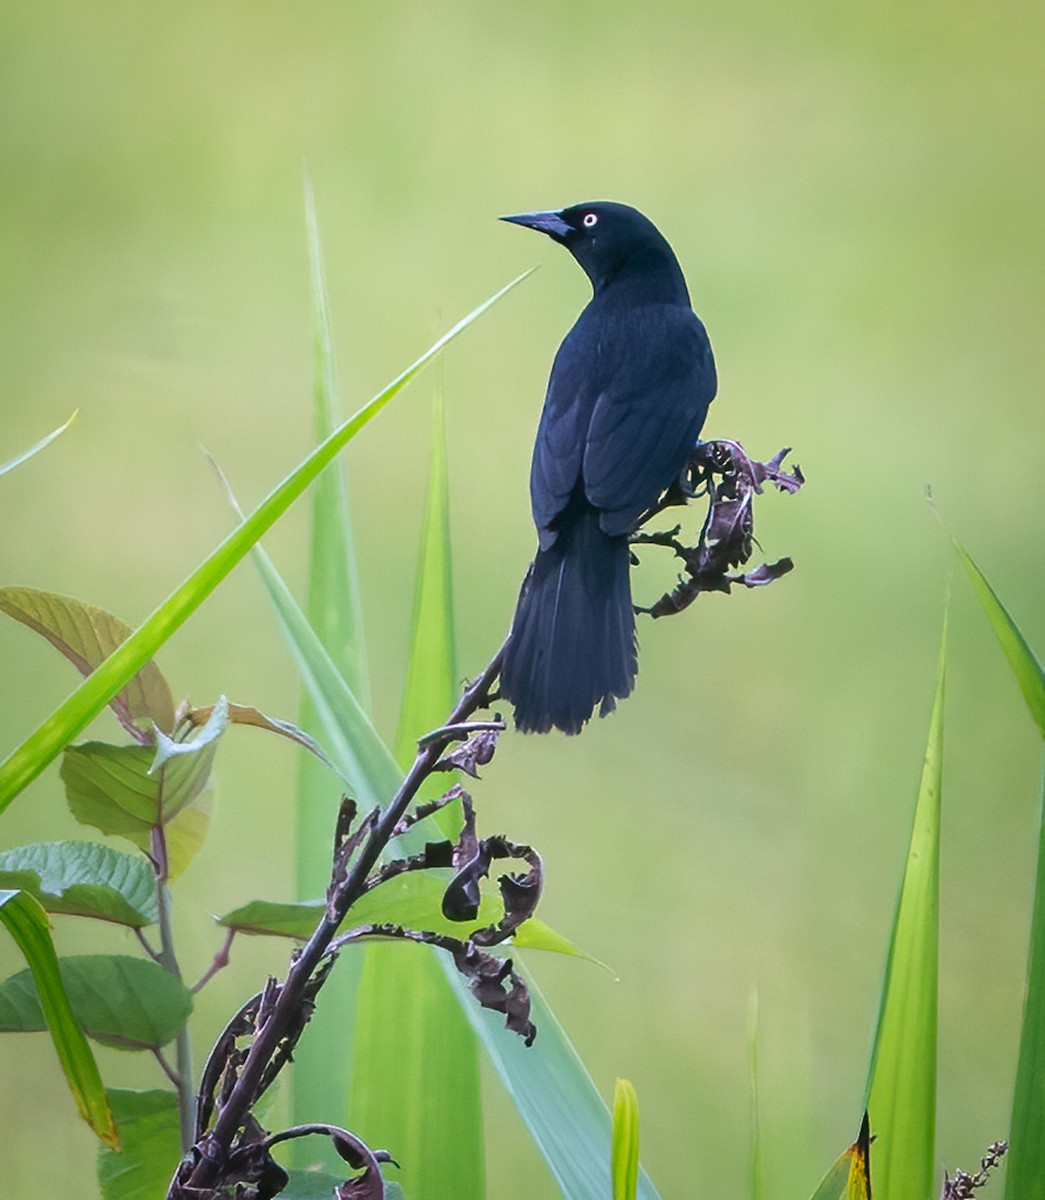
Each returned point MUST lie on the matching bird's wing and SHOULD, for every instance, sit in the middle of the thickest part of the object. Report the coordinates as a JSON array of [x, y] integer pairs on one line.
[[648, 415], [558, 450]]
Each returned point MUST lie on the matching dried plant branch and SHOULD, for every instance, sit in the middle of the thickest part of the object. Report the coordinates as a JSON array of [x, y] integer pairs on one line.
[[231, 1150]]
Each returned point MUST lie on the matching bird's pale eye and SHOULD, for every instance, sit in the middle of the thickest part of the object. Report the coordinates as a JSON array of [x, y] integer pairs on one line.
[[590, 219]]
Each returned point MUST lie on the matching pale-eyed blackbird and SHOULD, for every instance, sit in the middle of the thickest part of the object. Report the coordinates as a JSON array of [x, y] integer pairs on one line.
[[629, 389]]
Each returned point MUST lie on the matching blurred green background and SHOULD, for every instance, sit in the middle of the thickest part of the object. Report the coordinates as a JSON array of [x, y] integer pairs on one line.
[[856, 194]]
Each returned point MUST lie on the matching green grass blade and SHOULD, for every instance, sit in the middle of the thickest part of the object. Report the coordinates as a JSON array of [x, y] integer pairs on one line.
[[74, 714], [548, 1083], [902, 1087], [625, 1141], [334, 607], [1026, 1160], [1029, 673], [35, 449], [411, 1090], [27, 923], [757, 1188], [335, 614], [1025, 1175], [554, 1094], [431, 679]]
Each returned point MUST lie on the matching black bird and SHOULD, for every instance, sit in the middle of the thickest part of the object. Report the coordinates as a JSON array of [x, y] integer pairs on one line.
[[629, 389]]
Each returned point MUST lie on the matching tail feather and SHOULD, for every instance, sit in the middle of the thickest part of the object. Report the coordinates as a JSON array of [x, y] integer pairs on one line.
[[572, 645]]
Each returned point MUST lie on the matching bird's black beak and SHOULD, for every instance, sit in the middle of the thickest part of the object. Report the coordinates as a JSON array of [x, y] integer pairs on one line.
[[550, 223]]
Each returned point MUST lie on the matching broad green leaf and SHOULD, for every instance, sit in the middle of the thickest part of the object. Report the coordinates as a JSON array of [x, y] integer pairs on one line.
[[412, 900], [111, 787], [625, 1141], [148, 1126], [83, 879], [1029, 673], [42, 746], [35, 449], [246, 714], [27, 923], [123, 1002], [902, 1085], [1026, 1159], [335, 613], [408, 1089], [87, 635]]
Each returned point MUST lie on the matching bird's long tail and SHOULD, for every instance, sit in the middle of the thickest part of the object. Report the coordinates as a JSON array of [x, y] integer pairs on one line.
[[572, 644]]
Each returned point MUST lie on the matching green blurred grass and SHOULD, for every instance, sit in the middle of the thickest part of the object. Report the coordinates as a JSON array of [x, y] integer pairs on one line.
[[856, 198]]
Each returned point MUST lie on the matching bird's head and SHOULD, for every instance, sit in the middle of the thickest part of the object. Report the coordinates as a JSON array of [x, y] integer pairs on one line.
[[609, 240]]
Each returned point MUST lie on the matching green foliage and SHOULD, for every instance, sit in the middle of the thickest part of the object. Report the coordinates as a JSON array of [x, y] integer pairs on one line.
[[87, 635], [127, 1003], [26, 761], [1026, 1166], [625, 1168], [902, 1085], [1027, 670], [148, 1126], [83, 879], [408, 1089], [27, 923]]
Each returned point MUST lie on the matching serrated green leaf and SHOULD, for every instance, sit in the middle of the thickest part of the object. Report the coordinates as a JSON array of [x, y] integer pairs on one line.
[[148, 1126], [123, 1002], [1029, 673], [87, 635], [625, 1166], [83, 879], [902, 1084], [27, 923], [42, 746], [35, 449]]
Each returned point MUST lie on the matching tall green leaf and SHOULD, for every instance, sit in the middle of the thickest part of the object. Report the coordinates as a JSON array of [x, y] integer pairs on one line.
[[415, 1078], [902, 1085], [35, 449], [1026, 1166], [27, 923], [548, 1083], [757, 1188], [335, 614], [1028, 671], [625, 1141], [42, 746]]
